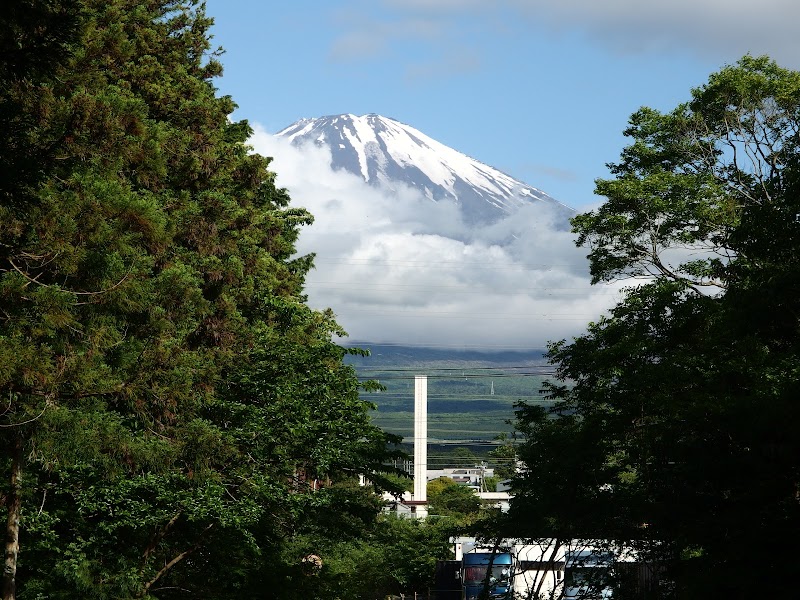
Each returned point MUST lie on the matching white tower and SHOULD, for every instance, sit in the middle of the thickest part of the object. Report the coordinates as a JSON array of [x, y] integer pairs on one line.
[[420, 442]]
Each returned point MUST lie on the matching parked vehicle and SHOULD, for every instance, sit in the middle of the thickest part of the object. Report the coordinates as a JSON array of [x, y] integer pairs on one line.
[[490, 570], [586, 575]]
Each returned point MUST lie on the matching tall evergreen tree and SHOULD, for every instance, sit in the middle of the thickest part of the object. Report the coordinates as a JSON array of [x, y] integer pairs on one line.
[[168, 399]]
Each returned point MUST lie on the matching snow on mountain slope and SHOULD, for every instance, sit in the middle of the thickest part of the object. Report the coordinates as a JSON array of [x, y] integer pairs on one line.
[[398, 267], [385, 152]]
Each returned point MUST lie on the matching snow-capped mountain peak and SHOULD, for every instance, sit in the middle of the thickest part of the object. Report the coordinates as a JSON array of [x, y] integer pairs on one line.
[[384, 151]]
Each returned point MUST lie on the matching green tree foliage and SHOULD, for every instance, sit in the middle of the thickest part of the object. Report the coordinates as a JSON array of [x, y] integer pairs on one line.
[[389, 556], [172, 411], [676, 418], [34, 42], [504, 457], [446, 498], [435, 487]]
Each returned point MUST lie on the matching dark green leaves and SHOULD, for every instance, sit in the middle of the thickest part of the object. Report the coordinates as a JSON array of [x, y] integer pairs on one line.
[[674, 419]]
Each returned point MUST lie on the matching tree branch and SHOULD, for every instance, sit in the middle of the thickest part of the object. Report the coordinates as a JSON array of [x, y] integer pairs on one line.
[[174, 562]]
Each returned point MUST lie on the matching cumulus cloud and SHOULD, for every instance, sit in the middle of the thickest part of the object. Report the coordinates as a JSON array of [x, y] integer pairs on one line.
[[398, 268]]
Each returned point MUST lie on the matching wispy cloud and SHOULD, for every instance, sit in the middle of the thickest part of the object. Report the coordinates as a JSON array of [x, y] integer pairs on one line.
[[454, 63], [425, 44], [716, 28], [435, 5], [721, 30], [400, 268], [552, 172], [365, 36], [355, 45]]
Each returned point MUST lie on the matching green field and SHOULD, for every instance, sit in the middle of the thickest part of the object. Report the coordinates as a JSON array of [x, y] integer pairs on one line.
[[471, 395]]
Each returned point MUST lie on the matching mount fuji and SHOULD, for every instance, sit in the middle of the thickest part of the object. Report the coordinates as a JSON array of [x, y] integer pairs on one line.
[[386, 153], [417, 244]]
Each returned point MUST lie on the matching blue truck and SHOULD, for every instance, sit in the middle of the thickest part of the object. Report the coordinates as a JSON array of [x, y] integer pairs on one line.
[[487, 574]]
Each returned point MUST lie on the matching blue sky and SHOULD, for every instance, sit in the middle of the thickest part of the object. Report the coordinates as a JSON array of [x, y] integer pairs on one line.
[[539, 89]]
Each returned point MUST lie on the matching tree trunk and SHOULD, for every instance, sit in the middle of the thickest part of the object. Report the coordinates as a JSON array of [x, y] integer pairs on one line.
[[14, 506]]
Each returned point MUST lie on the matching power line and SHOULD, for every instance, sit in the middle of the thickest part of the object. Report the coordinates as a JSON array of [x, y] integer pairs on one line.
[[462, 370], [466, 397], [450, 377], [486, 348]]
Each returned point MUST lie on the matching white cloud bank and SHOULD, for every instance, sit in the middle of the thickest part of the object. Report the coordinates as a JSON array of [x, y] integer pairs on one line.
[[398, 268]]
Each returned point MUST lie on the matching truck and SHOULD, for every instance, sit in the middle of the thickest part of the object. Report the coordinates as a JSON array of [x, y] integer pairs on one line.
[[587, 575], [487, 573]]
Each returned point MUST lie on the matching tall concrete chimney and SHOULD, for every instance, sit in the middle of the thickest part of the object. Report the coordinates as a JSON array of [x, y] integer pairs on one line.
[[420, 438]]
